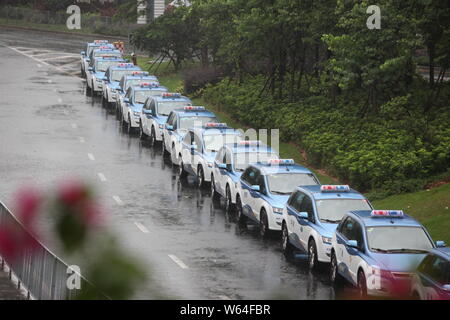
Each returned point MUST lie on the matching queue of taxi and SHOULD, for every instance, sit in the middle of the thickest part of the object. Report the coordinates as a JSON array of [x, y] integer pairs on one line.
[[380, 252]]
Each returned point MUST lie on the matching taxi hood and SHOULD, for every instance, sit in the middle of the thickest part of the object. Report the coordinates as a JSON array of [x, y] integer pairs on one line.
[[399, 262]]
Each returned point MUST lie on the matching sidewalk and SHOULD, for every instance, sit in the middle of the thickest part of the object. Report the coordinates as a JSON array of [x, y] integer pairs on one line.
[[7, 289]]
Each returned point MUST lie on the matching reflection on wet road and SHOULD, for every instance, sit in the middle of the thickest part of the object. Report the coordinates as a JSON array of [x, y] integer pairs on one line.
[[192, 247]]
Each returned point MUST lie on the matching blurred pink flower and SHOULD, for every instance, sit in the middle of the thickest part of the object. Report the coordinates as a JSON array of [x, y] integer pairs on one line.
[[76, 196], [73, 192], [28, 201]]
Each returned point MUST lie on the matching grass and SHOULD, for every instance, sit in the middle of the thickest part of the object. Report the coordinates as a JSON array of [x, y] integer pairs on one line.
[[430, 207]]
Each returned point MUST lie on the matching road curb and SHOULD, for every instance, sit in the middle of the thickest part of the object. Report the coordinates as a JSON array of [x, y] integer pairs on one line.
[[102, 36]]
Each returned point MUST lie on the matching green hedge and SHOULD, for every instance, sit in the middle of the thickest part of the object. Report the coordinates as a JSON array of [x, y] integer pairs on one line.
[[383, 153]]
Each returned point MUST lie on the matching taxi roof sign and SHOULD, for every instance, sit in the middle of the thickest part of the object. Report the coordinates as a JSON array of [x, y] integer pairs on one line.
[[215, 125], [284, 162], [250, 143], [149, 84], [194, 108], [334, 188], [167, 95], [387, 213]]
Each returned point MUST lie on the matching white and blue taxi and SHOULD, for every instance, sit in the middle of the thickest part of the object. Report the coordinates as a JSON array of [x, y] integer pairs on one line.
[[231, 161], [199, 148], [112, 80], [155, 112], [84, 55], [378, 251], [311, 216], [264, 189], [178, 123], [134, 100], [96, 73], [136, 78]]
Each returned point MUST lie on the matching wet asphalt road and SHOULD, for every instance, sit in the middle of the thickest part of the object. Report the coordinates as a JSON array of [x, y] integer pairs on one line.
[[49, 130]]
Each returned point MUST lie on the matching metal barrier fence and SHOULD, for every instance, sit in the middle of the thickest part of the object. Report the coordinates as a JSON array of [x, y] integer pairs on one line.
[[41, 272], [94, 23]]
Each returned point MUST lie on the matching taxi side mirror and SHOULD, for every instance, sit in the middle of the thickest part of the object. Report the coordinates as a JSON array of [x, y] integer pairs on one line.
[[303, 215], [440, 244], [91, 69], [255, 188], [222, 166], [446, 287], [352, 244], [169, 127], [83, 53], [126, 100]]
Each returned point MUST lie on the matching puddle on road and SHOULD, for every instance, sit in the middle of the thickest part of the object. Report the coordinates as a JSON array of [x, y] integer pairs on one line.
[[57, 111]]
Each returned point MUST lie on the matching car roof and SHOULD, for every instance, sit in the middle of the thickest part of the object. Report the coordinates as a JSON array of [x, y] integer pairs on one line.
[[133, 68], [109, 59], [369, 221], [139, 88], [238, 148], [226, 130], [202, 113], [133, 76], [269, 169], [317, 194], [181, 98]]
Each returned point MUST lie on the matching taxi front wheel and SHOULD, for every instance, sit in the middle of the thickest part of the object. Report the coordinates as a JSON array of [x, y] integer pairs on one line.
[[312, 255], [263, 224], [286, 246], [362, 285]]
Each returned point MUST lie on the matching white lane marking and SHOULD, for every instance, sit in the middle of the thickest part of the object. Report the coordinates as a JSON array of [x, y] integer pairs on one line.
[[39, 65], [81, 139], [178, 261], [74, 125], [102, 177], [41, 61], [223, 297], [118, 200], [141, 227], [91, 156], [60, 100]]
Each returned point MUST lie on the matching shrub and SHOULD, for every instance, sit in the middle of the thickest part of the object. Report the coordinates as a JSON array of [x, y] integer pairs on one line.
[[197, 78]]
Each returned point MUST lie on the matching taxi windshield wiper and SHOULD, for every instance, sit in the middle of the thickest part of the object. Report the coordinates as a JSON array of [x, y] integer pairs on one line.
[[380, 250], [407, 250], [280, 192], [331, 221]]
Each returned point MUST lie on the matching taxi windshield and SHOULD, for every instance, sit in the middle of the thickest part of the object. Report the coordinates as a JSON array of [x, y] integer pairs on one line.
[[102, 65], [333, 210], [116, 75], [187, 122], [285, 183], [107, 53], [398, 239], [241, 160], [214, 141], [165, 107], [140, 96]]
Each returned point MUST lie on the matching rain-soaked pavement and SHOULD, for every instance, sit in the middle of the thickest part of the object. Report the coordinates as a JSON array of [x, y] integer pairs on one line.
[[51, 130]]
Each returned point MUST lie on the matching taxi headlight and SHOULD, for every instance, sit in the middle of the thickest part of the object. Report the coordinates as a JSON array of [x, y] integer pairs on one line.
[[277, 210], [161, 126], [210, 165], [326, 240]]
